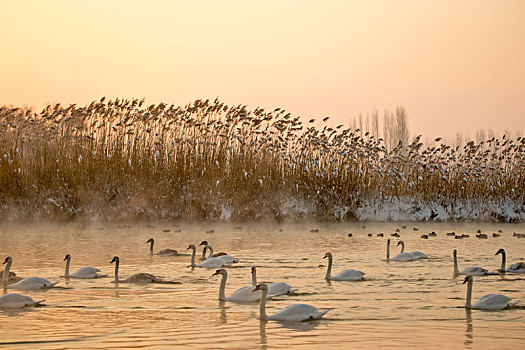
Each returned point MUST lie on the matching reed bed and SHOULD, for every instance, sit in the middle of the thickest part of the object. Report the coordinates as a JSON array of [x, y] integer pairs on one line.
[[122, 160]]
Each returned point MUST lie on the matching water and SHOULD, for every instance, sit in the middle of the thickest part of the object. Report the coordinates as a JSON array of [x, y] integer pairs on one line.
[[402, 304]]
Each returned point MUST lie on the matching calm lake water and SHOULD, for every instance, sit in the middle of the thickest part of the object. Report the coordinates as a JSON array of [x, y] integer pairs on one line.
[[401, 305]]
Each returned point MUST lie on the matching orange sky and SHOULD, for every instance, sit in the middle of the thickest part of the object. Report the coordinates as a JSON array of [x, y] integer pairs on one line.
[[456, 66]]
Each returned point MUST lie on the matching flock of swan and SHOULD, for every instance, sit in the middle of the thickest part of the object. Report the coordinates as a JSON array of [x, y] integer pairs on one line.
[[255, 292]]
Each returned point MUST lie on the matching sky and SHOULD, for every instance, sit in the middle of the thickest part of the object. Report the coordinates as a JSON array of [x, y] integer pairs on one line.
[[455, 66]]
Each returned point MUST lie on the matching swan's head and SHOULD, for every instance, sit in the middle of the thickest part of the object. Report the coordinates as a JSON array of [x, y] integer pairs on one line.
[[455, 252], [203, 243], [261, 286], [68, 257], [467, 279], [501, 251], [191, 246], [7, 259], [388, 241], [253, 269], [327, 255], [400, 242], [150, 240], [115, 260], [220, 272]]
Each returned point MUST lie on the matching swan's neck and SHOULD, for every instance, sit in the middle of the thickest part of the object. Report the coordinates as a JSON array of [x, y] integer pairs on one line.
[[203, 256], [254, 277], [151, 248], [262, 305], [6, 271], [193, 257], [211, 251], [503, 261], [222, 288], [329, 269], [66, 273], [456, 270], [116, 271], [388, 250], [402, 247], [469, 294]]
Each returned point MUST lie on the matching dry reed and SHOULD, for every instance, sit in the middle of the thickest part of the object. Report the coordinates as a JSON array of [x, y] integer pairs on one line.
[[113, 160]]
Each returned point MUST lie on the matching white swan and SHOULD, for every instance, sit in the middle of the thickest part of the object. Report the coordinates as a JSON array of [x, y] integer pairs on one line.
[[29, 283], [345, 275], [274, 289], [416, 254], [17, 301], [398, 257], [210, 263], [163, 252], [136, 278], [83, 272], [487, 302], [518, 267], [243, 294], [295, 312], [228, 259], [215, 255], [472, 270]]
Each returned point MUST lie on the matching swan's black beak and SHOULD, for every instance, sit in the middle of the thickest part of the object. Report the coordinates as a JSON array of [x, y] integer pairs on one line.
[[466, 280], [65, 258], [5, 261], [253, 269], [324, 257], [256, 288], [217, 272], [203, 243], [114, 259], [188, 247]]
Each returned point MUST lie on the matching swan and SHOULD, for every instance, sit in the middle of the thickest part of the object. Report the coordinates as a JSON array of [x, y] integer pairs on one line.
[[398, 257], [228, 259], [216, 255], [224, 256], [29, 283], [473, 270], [136, 278], [17, 301], [12, 277], [274, 289], [163, 252], [243, 294], [489, 301], [518, 267], [84, 272], [417, 254], [295, 312], [209, 263], [346, 275]]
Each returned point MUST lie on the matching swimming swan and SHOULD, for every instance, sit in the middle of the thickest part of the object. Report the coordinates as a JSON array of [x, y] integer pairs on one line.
[[416, 254], [84, 272], [163, 252], [473, 270], [274, 289], [29, 283], [228, 259], [136, 278], [398, 257], [487, 302], [243, 294], [346, 275], [210, 263], [518, 267], [295, 312], [17, 301], [215, 255]]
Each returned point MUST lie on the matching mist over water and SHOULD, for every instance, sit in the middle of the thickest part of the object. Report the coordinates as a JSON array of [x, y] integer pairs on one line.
[[401, 304]]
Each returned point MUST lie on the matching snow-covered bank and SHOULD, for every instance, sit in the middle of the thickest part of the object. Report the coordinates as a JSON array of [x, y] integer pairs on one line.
[[461, 210]]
